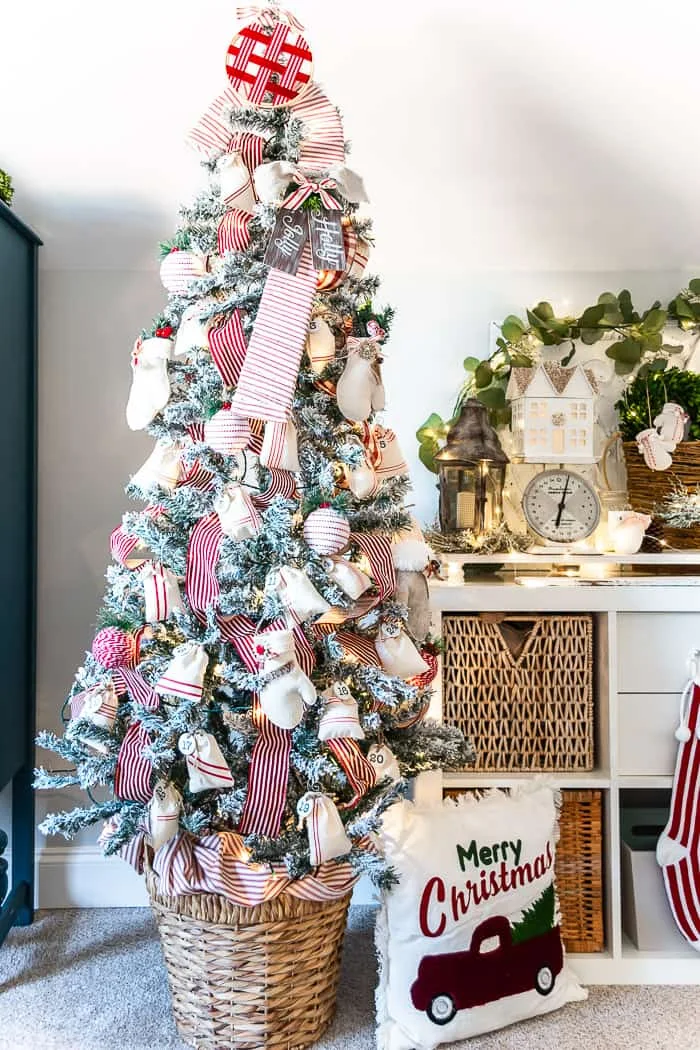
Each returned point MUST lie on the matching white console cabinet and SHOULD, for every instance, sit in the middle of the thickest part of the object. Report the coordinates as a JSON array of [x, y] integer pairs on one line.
[[643, 635]]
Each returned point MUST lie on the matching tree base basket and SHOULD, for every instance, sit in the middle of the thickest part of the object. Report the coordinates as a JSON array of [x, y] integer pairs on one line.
[[647, 488], [250, 978]]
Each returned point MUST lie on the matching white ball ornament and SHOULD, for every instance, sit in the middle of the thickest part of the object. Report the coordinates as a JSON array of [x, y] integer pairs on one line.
[[225, 432], [326, 530], [179, 268]]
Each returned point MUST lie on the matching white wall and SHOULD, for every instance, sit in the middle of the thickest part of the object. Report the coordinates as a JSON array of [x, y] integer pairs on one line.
[[512, 151]]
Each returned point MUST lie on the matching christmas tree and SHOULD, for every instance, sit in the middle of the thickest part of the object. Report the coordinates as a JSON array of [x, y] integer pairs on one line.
[[258, 683]]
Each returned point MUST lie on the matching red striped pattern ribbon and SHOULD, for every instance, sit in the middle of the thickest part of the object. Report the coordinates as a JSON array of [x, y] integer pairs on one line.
[[201, 583], [123, 543], [307, 188], [357, 769], [219, 864], [132, 776], [250, 146], [267, 16], [322, 146], [268, 777], [357, 648], [282, 483], [197, 477], [268, 378], [228, 348], [377, 548], [233, 233]]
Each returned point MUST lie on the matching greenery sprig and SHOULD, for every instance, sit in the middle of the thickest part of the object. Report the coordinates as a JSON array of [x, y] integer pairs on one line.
[[638, 350], [647, 394]]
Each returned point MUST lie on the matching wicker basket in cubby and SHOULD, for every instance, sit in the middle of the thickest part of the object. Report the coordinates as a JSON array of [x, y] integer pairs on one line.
[[579, 869], [521, 687]]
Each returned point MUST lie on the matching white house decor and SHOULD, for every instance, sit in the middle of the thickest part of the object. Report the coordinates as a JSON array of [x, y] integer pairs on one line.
[[553, 413]]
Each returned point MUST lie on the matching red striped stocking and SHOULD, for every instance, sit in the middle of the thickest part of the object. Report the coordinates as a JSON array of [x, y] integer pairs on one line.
[[678, 849]]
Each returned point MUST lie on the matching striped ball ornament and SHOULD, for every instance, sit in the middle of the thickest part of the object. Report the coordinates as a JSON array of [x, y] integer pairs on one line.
[[225, 432], [326, 531], [112, 647], [179, 268]]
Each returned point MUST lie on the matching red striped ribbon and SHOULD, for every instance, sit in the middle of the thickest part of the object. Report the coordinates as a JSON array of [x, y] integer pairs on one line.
[[201, 583], [377, 548], [322, 146], [132, 776], [282, 483], [268, 378], [357, 769], [358, 648], [228, 348], [122, 543], [220, 864], [233, 233], [307, 188]]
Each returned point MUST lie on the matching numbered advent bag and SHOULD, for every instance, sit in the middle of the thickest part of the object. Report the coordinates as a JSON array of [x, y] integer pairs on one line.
[[469, 940]]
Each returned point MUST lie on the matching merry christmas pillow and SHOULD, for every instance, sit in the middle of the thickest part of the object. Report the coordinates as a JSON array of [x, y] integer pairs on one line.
[[469, 940]]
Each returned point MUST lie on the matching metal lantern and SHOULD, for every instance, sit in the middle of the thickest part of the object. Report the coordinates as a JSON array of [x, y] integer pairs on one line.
[[472, 469]]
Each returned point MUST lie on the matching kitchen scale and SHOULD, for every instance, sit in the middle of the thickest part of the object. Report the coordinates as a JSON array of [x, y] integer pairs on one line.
[[562, 509]]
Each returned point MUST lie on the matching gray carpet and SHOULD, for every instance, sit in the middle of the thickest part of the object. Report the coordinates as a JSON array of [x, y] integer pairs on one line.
[[94, 980]]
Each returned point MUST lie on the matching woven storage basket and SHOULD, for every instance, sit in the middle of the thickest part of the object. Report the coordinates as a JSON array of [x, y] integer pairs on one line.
[[250, 978], [646, 488], [528, 709], [579, 869]]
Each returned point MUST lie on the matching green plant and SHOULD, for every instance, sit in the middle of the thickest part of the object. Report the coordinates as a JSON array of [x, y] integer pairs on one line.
[[646, 395], [638, 350], [6, 190]]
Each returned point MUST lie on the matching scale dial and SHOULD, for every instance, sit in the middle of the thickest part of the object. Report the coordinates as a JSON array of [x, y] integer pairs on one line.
[[561, 506]]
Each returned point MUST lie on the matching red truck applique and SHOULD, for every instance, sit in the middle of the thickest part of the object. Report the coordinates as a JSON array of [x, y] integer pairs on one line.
[[461, 980]]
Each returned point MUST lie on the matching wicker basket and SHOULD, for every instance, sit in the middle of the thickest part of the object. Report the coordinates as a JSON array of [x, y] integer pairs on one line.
[[646, 488], [579, 869], [521, 686], [250, 978]]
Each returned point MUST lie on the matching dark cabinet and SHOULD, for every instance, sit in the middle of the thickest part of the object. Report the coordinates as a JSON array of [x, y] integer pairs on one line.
[[18, 339]]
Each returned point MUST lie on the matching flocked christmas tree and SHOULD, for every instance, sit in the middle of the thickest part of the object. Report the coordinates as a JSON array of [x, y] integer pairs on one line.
[[257, 687]]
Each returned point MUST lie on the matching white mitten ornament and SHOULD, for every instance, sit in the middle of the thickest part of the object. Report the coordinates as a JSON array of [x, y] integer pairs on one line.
[[327, 838], [397, 653], [384, 763], [298, 592], [670, 423], [340, 716], [237, 514], [193, 332], [184, 675], [283, 699], [655, 450], [280, 448], [320, 345], [347, 576], [326, 530], [206, 765], [360, 390], [162, 469], [150, 386], [161, 592], [163, 813]]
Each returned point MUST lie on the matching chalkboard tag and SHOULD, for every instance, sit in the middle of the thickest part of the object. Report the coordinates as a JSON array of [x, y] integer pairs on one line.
[[327, 249], [287, 242]]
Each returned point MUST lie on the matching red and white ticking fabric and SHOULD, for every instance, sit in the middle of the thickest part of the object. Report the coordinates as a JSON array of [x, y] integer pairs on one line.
[[201, 583], [307, 188], [269, 65], [250, 146], [122, 544], [179, 268], [132, 776], [357, 649], [226, 432], [326, 530], [358, 770], [233, 233], [219, 864], [184, 675], [268, 378], [678, 848], [268, 777], [422, 681], [236, 183], [377, 548], [322, 146], [228, 348], [161, 592]]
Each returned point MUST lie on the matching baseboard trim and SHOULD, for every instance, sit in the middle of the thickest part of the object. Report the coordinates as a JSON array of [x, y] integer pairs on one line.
[[82, 877]]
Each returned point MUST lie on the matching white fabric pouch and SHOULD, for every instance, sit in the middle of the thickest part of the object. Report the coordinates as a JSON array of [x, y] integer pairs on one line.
[[327, 838], [206, 765], [397, 653], [340, 716], [184, 675]]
